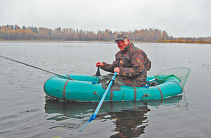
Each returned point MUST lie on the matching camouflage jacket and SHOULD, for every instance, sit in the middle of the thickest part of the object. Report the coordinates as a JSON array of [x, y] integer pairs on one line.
[[133, 64]]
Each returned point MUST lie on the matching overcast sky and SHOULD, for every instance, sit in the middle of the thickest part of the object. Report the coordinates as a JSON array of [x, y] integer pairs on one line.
[[179, 18]]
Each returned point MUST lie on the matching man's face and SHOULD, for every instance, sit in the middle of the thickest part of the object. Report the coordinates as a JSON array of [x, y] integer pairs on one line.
[[122, 43]]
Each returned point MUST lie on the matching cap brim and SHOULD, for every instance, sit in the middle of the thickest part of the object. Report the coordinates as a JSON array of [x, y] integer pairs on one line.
[[119, 39]]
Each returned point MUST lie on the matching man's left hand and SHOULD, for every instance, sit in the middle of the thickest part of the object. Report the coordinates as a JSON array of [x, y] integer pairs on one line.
[[117, 69]]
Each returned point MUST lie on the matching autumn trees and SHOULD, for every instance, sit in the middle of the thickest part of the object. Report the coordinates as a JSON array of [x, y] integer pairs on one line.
[[10, 32]]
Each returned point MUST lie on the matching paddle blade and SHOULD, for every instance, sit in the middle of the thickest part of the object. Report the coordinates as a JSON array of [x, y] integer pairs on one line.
[[84, 126], [87, 123], [92, 117]]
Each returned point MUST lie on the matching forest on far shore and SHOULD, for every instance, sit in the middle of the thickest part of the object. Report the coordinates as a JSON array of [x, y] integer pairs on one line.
[[11, 32]]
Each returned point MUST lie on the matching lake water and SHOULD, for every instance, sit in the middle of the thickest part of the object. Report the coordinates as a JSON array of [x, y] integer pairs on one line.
[[25, 111]]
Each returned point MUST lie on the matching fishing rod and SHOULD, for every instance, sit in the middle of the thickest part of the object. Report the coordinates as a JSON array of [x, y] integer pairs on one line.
[[34, 67]]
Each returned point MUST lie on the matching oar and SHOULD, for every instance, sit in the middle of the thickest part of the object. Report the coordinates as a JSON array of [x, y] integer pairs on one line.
[[100, 103], [34, 67]]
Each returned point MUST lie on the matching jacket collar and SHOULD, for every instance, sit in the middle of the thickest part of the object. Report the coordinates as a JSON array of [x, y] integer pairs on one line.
[[127, 48]]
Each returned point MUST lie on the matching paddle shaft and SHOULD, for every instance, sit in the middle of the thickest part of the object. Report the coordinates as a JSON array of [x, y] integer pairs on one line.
[[102, 99], [34, 67]]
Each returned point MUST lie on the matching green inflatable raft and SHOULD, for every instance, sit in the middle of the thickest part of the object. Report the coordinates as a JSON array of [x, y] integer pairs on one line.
[[85, 88]]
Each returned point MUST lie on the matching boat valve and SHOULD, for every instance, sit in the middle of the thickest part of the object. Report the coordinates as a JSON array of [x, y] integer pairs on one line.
[[145, 95], [95, 93]]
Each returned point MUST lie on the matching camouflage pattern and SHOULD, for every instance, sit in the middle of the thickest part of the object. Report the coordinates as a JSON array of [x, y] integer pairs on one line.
[[133, 64]]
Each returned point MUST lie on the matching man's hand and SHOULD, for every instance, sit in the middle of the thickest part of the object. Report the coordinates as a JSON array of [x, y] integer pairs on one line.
[[117, 70], [99, 64]]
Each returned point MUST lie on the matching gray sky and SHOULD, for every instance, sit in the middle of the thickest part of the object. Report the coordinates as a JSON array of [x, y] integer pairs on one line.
[[179, 18]]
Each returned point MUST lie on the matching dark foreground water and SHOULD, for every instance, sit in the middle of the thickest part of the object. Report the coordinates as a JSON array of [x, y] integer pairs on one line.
[[25, 111]]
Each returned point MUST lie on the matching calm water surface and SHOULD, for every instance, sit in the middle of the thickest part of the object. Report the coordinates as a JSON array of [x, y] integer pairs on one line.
[[27, 112]]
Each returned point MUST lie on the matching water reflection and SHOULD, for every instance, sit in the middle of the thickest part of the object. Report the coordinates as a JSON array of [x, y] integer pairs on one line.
[[130, 118], [130, 123]]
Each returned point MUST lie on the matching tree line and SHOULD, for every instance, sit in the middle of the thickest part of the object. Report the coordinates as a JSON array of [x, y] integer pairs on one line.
[[11, 32]]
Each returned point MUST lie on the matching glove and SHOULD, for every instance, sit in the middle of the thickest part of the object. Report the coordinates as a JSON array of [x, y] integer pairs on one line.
[[99, 64]]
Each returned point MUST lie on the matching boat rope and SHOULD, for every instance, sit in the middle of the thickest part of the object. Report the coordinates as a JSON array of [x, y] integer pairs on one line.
[[34, 67]]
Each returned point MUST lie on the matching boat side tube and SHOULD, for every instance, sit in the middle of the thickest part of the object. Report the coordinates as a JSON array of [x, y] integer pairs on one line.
[[86, 91]]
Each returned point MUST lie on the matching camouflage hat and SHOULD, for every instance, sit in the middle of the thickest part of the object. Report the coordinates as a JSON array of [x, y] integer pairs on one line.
[[120, 36]]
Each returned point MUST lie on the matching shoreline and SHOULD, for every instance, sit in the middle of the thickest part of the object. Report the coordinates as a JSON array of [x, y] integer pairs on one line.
[[45, 40]]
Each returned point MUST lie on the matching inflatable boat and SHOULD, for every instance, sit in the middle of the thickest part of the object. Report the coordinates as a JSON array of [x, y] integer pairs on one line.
[[85, 88]]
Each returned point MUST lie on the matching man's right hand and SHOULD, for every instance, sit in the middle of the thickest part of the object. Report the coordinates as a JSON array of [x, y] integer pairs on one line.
[[99, 64]]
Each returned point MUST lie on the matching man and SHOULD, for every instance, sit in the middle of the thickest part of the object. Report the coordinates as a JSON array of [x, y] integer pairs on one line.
[[131, 63]]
